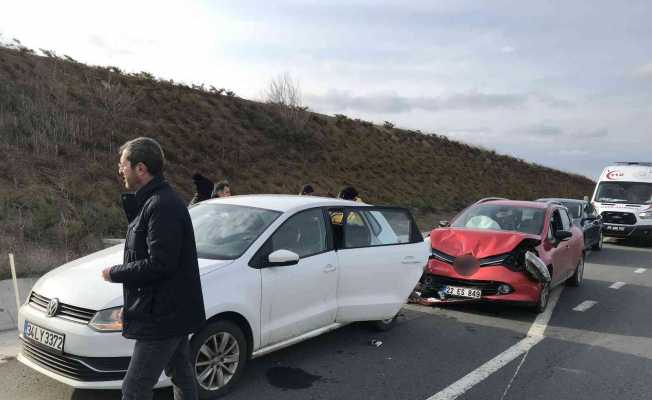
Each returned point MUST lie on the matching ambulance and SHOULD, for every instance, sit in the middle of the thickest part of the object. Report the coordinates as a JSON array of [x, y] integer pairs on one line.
[[623, 198]]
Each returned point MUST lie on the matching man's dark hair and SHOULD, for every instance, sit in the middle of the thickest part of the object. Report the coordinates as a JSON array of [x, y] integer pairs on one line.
[[348, 193], [219, 186], [147, 151], [307, 189]]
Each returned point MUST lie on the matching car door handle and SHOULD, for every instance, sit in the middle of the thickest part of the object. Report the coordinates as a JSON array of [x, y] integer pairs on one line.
[[410, 260], [329, 268]]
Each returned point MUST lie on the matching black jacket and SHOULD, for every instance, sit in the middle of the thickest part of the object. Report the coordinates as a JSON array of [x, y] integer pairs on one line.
[[160, 274], [203, 188]]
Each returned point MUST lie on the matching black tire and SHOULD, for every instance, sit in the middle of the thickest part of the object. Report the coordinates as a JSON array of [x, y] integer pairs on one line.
[[578, 276], [384, 325], [544, 297], [221, 330], [598, 246]]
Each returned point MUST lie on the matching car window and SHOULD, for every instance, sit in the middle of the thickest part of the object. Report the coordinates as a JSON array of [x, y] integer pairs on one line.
[[501, 217], [574, 208], [365, 228], [565, 220], [555, 225], [303, 233], [225, 231]]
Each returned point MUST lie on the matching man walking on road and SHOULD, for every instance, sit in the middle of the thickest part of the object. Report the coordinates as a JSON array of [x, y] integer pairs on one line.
[[163, 300]]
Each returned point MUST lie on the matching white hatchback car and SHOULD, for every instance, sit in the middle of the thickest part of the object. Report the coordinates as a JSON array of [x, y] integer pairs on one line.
[[275, 270]]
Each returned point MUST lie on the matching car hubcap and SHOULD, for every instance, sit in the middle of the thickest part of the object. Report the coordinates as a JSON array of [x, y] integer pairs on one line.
[[217, 361], [580, 271]]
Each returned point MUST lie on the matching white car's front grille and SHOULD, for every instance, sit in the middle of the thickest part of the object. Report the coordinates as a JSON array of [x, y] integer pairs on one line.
[[65, 311]]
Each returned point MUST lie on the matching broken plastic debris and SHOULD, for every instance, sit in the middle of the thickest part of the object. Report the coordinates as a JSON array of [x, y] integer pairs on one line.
[[536, 267], [376, 342]]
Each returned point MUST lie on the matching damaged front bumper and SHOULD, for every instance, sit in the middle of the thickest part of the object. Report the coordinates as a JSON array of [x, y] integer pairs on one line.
[[496, 283]]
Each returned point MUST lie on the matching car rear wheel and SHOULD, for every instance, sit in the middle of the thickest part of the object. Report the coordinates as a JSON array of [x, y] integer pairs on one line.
[[219, 354], [578, 276], [598, 246], [544, 296]]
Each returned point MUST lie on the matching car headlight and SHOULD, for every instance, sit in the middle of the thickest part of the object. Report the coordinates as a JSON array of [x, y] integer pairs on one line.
[[109, 320], [647, 214]]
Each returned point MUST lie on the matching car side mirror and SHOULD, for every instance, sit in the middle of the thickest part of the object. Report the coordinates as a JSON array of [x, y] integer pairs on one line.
[[563, 235], [444, 224], [282, 258]]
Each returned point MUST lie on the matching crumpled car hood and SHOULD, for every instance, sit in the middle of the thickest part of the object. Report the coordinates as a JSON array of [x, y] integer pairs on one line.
[[480, 243]]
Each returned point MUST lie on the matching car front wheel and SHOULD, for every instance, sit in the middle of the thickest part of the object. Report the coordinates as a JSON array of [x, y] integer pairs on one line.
[[219, 354], [544, 296]]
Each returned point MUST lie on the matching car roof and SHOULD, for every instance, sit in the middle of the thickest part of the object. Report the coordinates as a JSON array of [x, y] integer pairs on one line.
[[563, 199], [283, 202], [518, 203]]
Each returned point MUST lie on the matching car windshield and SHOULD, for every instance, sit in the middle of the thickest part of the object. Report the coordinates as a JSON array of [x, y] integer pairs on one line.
[[502, 218], [574, 208], [225, 231], [624, 192]]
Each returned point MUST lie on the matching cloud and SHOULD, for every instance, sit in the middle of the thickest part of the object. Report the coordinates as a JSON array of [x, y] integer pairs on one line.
[[97, 41], [644, 71], [392, 103], [541, 131], [594, 134], [507, 49], [573, 153]]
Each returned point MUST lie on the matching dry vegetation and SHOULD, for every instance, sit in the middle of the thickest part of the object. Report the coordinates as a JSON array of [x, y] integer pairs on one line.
[[61, 123]]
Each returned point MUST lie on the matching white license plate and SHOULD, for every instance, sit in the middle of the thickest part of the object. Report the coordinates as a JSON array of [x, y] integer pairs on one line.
[[463, 292], [616, 228], [43, 336]]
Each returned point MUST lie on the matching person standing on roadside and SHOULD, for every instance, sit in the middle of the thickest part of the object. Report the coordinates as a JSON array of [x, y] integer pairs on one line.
[[163, 300], [222, 189], [307, 190], [203, 188]]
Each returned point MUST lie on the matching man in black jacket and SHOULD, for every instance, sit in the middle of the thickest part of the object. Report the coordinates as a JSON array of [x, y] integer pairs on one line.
[[163, 301]]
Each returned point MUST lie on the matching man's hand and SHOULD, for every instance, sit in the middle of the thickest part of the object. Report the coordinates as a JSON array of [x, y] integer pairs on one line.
[[106, 274]]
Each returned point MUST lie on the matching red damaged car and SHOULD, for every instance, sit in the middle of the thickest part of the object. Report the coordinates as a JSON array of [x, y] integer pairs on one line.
[[504, 250]]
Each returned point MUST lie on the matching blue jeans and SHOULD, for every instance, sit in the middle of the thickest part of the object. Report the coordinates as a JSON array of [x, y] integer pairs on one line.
[[150, 359]]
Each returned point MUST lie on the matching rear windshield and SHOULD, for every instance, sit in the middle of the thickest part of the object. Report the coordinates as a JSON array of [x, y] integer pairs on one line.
[[502, 218], [624, 192], [574, 208]]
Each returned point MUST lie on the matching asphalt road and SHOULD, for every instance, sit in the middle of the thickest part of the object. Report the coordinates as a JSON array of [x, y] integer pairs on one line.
[[603, 352]]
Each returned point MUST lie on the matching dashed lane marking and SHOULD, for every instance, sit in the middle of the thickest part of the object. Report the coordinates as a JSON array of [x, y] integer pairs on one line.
[[585, 305], [617, 285], [640, 270], [534, 336]]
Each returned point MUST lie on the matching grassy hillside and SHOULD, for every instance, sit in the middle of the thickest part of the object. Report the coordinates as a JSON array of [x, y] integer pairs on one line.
[[61, 123]]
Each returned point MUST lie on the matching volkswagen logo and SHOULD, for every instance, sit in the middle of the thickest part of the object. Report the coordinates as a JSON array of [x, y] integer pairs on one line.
[[53, 307]]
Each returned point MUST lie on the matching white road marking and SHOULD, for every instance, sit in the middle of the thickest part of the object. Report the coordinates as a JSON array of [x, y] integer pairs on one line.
[[617, 285], [534, 336], [640, 271], [511, 381], [585, 305]]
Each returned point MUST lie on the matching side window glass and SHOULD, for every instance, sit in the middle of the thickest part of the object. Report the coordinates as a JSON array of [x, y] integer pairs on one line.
[[304, 234], [555, 225], [565, 220], [356, 231], [377, 228]]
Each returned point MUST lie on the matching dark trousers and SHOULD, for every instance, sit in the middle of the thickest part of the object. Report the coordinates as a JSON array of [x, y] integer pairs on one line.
[[150, 359]]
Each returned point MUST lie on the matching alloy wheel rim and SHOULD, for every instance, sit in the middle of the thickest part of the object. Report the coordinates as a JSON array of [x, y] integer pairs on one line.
[[217, 361], [580, 271]]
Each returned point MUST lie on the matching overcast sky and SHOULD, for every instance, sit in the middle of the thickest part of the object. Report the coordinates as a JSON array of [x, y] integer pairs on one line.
[[565, 83]]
